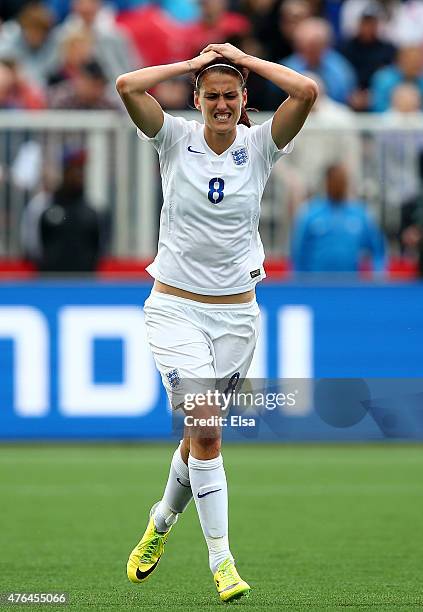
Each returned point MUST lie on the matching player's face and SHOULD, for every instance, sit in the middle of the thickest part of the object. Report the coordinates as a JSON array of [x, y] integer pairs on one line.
[[220, 100]]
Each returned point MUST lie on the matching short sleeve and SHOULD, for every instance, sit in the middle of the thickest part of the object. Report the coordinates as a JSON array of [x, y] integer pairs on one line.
[[172, 130], [261, 139]]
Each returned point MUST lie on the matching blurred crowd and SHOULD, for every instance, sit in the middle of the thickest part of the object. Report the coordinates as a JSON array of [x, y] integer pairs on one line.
[[365, 55], [68, 53]]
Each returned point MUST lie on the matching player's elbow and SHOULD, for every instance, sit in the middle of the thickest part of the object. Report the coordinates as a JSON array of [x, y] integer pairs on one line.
[[128, 84], [309, 91], [122, 85]]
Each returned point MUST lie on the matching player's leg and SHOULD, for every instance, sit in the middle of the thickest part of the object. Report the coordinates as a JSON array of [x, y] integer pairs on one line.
[[163, 515], [174, 342], [177, 493], [234, 336], [209, 486]]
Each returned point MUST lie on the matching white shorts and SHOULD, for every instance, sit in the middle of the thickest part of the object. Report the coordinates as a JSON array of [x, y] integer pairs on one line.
[[193, 342]]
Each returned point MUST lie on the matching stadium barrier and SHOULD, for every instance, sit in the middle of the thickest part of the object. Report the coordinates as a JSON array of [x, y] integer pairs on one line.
[[382, 152], [74, 363]]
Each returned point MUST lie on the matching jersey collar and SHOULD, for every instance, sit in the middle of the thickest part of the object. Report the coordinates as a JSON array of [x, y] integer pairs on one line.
[[210, 151]]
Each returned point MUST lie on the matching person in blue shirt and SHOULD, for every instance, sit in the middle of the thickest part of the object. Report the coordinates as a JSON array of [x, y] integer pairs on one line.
[[332, 233], [407, 69], [314, 54], [181, 10]]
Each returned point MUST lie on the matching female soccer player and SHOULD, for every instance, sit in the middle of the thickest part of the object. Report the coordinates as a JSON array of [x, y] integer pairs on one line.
[[201, 316]]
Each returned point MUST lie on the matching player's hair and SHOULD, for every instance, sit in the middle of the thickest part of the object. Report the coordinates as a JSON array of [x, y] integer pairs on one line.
[[225, 66]]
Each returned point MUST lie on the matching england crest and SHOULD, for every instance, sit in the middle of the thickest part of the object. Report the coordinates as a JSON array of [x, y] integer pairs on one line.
[[173, 378], [240, 156]]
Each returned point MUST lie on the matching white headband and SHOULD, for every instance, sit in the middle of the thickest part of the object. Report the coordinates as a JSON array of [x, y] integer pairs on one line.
[[216, 66]]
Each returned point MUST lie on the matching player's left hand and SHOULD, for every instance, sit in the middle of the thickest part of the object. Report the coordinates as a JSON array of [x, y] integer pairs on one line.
[[226, 50]]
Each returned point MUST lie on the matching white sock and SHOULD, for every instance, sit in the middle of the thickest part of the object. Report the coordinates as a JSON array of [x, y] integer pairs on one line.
[[176, 496], [208, 483]]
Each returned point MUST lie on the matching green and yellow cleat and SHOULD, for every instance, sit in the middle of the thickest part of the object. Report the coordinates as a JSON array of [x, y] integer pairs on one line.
[[228, 582], [146, 555]]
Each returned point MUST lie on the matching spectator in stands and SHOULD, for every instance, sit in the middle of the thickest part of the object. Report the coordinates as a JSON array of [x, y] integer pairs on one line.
[[93, 14], [332, 233], [174, 94], [314, 54], [411, 230], [273, 24], [112, 47], [367, 53], [408, 68], [412, 236], [351, 11], [405, 27], [16, 91], [406, 99], [402, 152], [318, 7], [291, 14], [62, 8], [398, 150], [158, 38], [61, 231], [76, 48], [181, 10], [30, 227], [87, 90], [10, 8], [6, 85], [315, 150], [258, 89], [216, 24], [32, 41]]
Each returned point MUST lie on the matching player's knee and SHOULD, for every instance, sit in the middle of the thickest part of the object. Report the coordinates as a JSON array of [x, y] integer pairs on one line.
[[206, 446]]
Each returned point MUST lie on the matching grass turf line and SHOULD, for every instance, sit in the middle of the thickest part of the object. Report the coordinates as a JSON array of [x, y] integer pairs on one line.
[[311, 527]]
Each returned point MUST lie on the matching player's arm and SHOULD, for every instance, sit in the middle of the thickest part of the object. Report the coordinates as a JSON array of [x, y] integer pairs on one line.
[[291, 114], [144, 110]]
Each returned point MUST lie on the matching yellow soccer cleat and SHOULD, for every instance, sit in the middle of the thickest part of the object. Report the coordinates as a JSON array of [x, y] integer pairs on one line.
[[146, 555], [228, 582]]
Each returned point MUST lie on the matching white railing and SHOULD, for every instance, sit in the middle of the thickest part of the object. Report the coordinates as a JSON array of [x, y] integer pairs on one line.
[[122, 175]]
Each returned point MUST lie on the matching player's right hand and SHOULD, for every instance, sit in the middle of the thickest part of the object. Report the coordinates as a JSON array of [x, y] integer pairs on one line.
[[203, 59]]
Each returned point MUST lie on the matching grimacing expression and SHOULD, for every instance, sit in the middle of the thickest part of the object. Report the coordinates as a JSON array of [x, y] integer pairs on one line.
[[220, 100]]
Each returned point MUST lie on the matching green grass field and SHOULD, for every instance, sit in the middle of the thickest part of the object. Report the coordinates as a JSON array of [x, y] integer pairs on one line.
[[312, 527]]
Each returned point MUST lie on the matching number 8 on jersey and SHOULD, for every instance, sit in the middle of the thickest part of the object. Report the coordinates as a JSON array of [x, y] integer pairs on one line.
[[216, 186]]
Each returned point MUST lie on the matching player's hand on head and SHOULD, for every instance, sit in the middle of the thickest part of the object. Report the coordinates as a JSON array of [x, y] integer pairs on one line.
[[225, 50], [203, 59]]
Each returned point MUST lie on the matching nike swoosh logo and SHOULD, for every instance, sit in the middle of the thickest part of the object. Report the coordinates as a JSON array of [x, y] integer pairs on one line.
[[143, 575], [208, 493], [182, 484], [191, 150]]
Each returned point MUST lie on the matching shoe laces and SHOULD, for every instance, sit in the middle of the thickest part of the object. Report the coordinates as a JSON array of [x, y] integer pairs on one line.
[[153, 547], [227, 574]]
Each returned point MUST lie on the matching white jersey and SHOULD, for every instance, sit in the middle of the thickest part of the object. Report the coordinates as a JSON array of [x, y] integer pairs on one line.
[[209, 241]]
